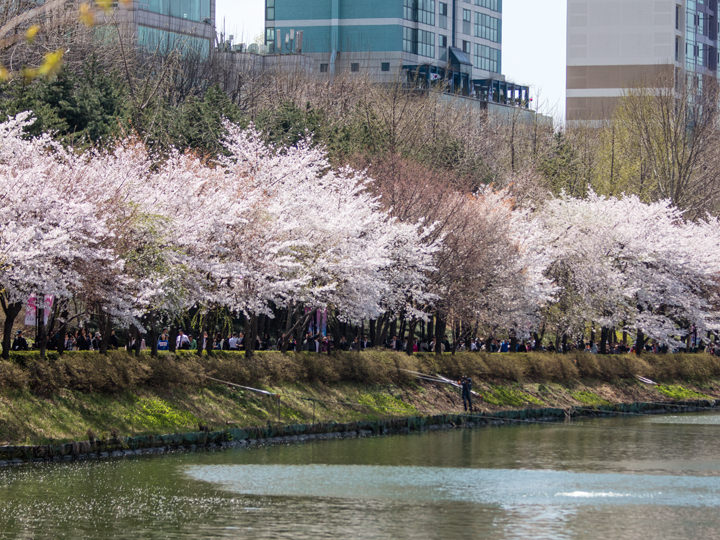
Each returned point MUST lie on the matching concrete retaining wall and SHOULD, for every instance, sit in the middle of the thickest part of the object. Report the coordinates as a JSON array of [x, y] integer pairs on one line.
[[283, 434]]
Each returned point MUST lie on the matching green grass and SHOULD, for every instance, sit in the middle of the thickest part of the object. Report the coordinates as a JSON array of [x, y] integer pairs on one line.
[[588, 398], [675, 391], [380, 404], [506, 396], [157, 415]]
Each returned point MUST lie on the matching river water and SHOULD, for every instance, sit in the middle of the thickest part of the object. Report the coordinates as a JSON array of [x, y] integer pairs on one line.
[[638, 477]]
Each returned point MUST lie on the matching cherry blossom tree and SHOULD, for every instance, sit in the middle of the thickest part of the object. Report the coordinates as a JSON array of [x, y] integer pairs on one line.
[[314, 237], [619, 260], [49, 232]]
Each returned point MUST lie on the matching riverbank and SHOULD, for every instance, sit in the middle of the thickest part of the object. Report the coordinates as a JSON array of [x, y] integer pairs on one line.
[[121, 447], [85, 396]]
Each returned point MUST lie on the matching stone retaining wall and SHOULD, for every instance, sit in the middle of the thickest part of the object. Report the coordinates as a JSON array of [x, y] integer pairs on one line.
[[284, 434]]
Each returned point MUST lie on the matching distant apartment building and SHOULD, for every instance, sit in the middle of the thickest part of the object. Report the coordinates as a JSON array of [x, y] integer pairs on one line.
[[170, 24], [161, 25], [613, 45], [456, 42]]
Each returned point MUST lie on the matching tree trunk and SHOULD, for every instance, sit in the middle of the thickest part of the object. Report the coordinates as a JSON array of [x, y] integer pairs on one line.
[[105, 329], [411, 336], [603, 340], [285, 334], [393, 329], [172, 339], [41, 329], [152, 336], [639, 342], [456, 331], [251, 329], [11, 312], [439, 332], [135, 333]]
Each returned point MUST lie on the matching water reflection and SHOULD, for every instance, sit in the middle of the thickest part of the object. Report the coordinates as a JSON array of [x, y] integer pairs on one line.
[[652, 477]]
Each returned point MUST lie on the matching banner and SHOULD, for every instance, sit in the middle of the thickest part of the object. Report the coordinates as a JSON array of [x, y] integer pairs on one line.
[[32, 307]]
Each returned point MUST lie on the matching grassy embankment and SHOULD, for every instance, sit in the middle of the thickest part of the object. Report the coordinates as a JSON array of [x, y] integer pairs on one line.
[[64, 398]]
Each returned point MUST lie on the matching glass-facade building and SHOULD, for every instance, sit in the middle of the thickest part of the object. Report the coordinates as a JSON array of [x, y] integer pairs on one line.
[[162, 26], [193, 10], [385, 36], [700, 36], [187, 26]]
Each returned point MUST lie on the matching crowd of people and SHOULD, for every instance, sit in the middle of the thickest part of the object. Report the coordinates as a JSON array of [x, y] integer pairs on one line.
[[84, 340]]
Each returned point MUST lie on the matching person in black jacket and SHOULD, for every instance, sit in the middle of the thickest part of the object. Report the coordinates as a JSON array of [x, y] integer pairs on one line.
[[83, 341], [466, 385], [19, 343]]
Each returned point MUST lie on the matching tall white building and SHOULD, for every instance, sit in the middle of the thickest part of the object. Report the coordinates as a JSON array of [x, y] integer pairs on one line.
[[613, 45]]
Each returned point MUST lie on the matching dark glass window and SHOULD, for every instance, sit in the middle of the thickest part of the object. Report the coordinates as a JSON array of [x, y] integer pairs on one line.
[[419, 42], [385, 66], [354, 67], [410, 40], [487, 58], [467, 20], [419, 11], [494, 5], [487, 27]]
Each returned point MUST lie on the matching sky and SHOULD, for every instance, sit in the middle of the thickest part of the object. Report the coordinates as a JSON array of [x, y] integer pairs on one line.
[[533, 43]]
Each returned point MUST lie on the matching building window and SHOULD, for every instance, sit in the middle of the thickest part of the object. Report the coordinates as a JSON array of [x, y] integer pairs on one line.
[[323, 68], [677, 16], [355, 67], [422, 11], [467, 19], [410, 40], [419, 42], [443, 14], [269, 10], [493, 5], [442, 48], [426, 43], [487, 27], [466, 46], [487, 58], [270, 39], [385, 66], [426, 12]]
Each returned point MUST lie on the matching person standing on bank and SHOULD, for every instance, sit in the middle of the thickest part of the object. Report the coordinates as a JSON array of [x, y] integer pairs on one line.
[[466, 385]]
